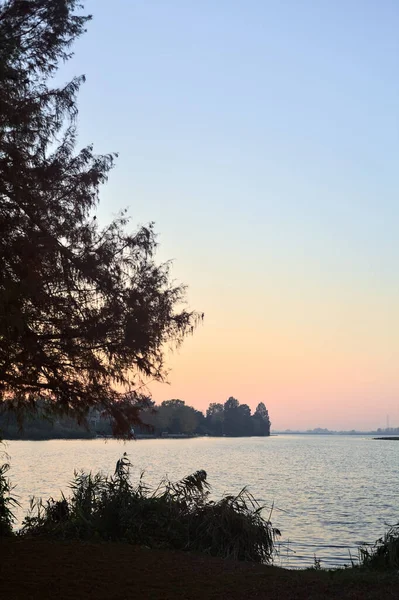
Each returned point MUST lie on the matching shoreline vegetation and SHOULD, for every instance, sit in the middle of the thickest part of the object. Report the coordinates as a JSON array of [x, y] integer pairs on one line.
[[172, 418], [174, 516]]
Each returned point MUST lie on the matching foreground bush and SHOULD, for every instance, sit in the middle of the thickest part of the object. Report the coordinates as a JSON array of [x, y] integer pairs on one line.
[[384, 554], [179, 516]]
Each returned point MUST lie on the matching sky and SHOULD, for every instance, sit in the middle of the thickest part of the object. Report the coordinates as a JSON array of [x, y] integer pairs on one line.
[[262, 137]]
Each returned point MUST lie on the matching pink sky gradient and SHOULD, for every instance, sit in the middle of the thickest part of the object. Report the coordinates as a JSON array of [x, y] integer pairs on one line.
[[316, 360]]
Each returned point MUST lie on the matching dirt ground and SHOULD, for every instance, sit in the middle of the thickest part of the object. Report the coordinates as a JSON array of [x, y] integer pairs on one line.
[[31, 569]]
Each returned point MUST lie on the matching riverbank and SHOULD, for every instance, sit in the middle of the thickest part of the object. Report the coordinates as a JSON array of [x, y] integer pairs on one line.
[[29, 436], [39, 570]]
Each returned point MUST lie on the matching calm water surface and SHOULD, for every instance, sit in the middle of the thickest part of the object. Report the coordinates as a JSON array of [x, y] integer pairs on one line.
[[336, 491]]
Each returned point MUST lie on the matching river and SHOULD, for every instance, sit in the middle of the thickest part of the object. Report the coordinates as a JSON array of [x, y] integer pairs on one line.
[[330, 493]]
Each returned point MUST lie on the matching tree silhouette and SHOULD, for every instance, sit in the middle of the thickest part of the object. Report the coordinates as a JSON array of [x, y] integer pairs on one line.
[[85, 312], [244, 420], [215, 418], [261, 420], [231, 417]]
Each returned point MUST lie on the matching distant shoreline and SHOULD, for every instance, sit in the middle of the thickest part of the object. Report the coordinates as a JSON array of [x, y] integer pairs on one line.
[[90, 437], [138, 437], [335, 433]]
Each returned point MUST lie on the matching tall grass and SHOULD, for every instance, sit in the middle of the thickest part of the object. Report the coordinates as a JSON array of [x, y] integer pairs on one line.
[[178, 516], [7, 502], [384, 554]]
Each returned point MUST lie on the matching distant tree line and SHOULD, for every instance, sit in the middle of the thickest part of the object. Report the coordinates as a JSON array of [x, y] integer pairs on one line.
[[171, 417], [230, 419]]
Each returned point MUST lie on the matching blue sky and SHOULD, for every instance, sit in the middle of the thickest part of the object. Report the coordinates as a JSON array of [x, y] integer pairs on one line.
[[262, 138]]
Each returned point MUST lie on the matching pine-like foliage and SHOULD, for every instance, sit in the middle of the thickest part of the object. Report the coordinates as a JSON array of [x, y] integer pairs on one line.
[[85, 312]]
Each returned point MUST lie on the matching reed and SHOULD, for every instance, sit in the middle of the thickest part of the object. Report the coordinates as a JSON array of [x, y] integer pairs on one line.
[[179, 516], [384, 553], [8, 502]]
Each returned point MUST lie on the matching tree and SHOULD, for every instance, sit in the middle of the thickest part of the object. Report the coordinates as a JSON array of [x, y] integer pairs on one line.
[[237, 418], [215, 418], [244, 420], [188, 420], [231, 417], [231, 404], [200, 427], [174, 403], [85, 312], [174, 416], [261, 420]]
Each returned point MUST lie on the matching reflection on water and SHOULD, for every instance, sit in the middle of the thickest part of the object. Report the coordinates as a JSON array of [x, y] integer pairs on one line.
[[334, 491]]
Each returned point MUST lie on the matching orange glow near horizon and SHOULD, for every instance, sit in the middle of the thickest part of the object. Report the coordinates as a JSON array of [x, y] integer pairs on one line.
[[314, 362]]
